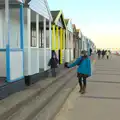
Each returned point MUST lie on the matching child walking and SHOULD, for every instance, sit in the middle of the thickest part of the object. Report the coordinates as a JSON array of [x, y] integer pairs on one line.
[[53, 63], [83, 70]]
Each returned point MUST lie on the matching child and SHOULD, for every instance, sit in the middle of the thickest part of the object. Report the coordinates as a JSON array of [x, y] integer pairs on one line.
[[83, 70], [53, 63]]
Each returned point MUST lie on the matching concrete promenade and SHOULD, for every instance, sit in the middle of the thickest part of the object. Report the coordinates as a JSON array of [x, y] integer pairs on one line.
[[102, 100]]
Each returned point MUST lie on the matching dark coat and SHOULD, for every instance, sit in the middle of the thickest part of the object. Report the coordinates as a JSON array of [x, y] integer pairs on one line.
[[99, 52], [53, 62], [103, 52]]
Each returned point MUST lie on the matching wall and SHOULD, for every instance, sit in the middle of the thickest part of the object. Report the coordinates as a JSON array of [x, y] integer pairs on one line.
[[16, 65], [80, 44], [67, 55], [1, 28], [26, 61], [2, 63], [71, 56], [34, 60], [85, 45], [69, 26], [14, 29], [48, 57], [41, 58]]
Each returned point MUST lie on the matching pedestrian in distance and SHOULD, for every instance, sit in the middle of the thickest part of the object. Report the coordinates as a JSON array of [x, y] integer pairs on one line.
[[90, 51], [103, 54], [83, 70], [107, 54], [53, 63], [99, 54]]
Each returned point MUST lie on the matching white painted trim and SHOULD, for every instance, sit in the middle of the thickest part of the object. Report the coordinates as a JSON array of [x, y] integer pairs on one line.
[[37, 29], [66, 40], [48, 9], [71, 40], [50, 37], [37, 37], [45, 66], [6, 20], [29, 39], [54, 39]]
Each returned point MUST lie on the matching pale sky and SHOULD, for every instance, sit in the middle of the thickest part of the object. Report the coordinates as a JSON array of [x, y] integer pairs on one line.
[[97, 19]]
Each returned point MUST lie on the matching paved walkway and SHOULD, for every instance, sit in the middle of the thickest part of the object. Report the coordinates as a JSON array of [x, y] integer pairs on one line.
[[102, 100]]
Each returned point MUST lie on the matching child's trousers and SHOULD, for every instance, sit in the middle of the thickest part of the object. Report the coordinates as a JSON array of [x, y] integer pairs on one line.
[[53, 72]]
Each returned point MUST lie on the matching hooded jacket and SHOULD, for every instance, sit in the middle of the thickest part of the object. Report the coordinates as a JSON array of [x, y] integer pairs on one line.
[[84, 67]]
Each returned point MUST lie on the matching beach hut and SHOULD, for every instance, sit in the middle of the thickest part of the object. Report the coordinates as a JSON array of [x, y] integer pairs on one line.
[[69, 41], [37, 34], [58, 34], [11, 47], [77, 43], [74, 41]]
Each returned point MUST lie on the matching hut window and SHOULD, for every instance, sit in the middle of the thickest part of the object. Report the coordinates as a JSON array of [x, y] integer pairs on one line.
[[47, 38], [33, 38], [41, 39]]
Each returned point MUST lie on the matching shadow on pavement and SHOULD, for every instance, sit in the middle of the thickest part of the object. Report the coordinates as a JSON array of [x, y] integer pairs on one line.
[[98, 81], [96, 73], [101, 97]]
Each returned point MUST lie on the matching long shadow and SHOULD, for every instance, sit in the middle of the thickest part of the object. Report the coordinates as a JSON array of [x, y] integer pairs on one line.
[[98, 67], [107, 70], [101, 97], [99, 81], [97, 73]]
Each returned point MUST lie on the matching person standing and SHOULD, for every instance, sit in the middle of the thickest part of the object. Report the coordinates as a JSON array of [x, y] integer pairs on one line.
[[83, 70]]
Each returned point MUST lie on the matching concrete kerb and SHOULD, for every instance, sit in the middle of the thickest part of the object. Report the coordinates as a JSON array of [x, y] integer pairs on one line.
[[16, 100]]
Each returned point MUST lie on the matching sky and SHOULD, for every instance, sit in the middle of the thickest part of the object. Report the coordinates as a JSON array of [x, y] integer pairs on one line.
[[99, 20]]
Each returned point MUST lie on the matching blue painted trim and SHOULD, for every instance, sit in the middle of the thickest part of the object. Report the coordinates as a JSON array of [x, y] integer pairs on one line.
[[9, 30], [21, 27], [2, 49], [22, 30], [8, 63], [17, 79], [8, 53], [16, 49]]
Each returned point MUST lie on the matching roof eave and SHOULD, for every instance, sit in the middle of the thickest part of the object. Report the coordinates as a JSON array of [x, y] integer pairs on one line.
[[50, 15], [58, 16]]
